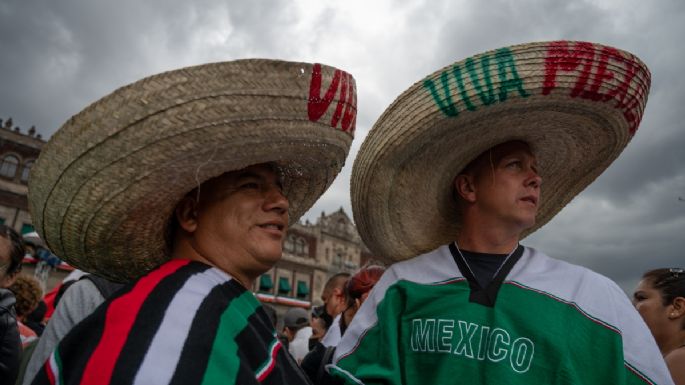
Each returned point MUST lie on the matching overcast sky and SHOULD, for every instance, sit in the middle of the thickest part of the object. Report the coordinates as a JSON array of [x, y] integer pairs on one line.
[[56, 57]]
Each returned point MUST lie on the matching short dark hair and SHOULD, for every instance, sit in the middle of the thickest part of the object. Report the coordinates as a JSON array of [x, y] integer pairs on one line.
[[336, 281], [17, 250]]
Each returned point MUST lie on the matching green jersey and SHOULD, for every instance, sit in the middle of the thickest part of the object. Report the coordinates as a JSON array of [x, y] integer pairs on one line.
[[551, 323]]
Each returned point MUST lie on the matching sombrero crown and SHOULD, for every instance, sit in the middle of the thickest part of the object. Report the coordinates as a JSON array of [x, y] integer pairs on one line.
[[105, 185], [577, 105]]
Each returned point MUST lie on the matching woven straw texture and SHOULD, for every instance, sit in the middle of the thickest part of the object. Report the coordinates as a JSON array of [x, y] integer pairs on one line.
[[105, 186], [577, 104]]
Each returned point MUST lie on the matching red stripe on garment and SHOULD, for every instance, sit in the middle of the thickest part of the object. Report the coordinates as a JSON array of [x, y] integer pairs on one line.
[[272, 363], [49, 372], [121, 314]]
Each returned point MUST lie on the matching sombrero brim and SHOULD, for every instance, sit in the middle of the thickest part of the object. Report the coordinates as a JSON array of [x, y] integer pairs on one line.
[[105, 186], [402, 194]]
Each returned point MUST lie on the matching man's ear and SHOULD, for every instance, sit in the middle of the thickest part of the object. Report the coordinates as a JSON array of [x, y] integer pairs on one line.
[[186, 214], [465, 188]]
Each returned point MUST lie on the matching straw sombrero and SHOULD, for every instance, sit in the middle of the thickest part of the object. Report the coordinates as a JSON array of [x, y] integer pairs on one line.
[[105, 185], [577, 105]]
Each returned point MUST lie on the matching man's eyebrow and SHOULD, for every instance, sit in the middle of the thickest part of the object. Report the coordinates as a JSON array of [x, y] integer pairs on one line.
[[248, 174], [253, 175]]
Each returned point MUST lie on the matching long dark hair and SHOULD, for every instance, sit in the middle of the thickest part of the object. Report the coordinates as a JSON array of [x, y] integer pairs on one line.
[[16, 249], [669, 282]]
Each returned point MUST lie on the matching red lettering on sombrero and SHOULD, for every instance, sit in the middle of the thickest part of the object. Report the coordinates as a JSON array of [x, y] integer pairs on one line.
[[318, 105], [596, 71]]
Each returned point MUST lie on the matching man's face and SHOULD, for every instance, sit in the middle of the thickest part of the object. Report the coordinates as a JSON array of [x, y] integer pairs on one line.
[[506, 186], [242, 218], [334, 298], [318, 328]]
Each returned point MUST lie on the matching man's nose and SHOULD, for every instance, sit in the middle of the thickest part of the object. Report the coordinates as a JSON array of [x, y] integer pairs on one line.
[[534, 179], [276, 200]]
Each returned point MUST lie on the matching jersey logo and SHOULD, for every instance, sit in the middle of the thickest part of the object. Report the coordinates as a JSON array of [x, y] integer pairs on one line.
[[471, 341]]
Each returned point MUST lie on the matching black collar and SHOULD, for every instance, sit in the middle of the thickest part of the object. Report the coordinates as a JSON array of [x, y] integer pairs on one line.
[[488, 295]]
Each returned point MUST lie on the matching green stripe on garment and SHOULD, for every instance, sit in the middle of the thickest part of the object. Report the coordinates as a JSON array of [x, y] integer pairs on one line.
[[224, 362], [56, 369], [59, 379], [54, 365]]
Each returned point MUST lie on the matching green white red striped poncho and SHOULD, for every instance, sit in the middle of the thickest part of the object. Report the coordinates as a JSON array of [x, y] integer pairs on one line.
[[182, 323]]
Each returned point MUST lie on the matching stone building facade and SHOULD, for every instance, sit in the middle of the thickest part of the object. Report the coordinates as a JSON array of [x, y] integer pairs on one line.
[[312, 253], [18, 152]]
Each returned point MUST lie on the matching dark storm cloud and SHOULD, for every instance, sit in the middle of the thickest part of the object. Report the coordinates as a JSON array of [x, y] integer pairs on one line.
[[60, 56]]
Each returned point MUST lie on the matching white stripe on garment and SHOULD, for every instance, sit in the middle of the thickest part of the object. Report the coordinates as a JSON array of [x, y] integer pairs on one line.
[[54, 367], [164, 352]]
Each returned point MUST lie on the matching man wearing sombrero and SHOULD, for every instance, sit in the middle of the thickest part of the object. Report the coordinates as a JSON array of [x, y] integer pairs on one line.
[[457, 170], [184, 183]]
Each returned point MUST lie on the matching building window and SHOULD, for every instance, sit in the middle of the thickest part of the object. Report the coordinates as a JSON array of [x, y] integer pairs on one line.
[[265, 283], [26, 170], [302, 248], [9, 165], [339, 257], [283, 286], [26, 228], [289, 244], [302, 289]]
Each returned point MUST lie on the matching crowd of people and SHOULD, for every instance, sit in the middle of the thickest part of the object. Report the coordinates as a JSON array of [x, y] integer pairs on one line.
[[174, 194]]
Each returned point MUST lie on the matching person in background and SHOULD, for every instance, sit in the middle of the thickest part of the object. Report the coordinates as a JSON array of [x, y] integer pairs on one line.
[[660, 299], [320, 322], [35, 248], [28, 293], [11, 254], [77, 298], [355, 291], [333, 297], [334, 302], [297, 330], [53, 296]]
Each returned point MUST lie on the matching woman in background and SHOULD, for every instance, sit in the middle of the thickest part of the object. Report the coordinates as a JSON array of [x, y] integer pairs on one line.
[[660, 299], [357, 290], [28, 294]]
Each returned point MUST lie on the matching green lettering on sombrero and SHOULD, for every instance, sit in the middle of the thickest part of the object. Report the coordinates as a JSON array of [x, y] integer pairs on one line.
[[576, 104], [479, 82]]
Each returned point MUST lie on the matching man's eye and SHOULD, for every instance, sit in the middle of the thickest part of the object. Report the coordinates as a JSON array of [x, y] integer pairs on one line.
[[514, 164], [249, 185]]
